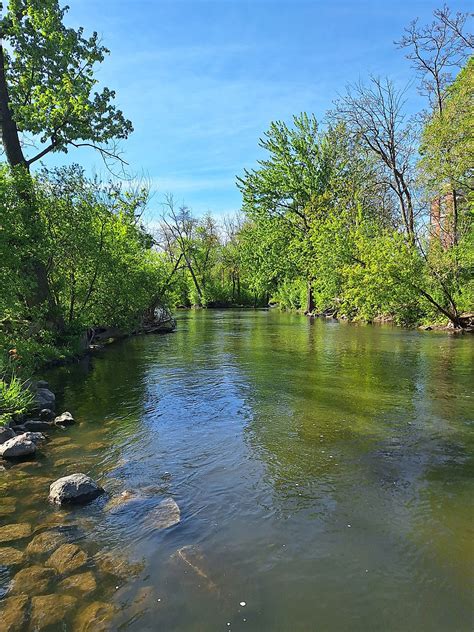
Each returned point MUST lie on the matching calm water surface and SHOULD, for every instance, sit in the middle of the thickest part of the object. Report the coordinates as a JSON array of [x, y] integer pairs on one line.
[[323, 472]]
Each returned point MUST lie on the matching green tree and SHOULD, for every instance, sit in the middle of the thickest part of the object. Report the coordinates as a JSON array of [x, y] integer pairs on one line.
[[47, 92]]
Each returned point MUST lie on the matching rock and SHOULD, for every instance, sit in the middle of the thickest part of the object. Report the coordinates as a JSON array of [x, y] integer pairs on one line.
[[45, 542], [7, 506], [144, 601], [32, 580], [13, 614], [97, 617], [17, 447], [76, 488], [36, 437], [118, 567], [36, 425], [6, 433], [84, 583], [122, 499], [98, 445], [60, 441], [45, 399], [66, 419], [11, 532], [46, 414], [193, 561], [42, 384], [18, 428], [67, 559], [166, 514], [10, 556], [49, 610]]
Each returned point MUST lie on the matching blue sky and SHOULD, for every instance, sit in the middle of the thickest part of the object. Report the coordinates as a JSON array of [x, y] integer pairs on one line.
[[202, 80]]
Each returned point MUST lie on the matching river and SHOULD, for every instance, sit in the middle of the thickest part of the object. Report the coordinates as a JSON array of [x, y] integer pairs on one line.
[[323, 473]]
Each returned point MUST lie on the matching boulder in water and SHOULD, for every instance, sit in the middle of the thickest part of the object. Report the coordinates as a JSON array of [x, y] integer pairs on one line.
[[17, 447], [45, 399], [66, 419], [76, 488]]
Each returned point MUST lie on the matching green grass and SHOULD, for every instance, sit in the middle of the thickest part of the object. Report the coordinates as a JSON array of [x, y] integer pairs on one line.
[[15, 398]]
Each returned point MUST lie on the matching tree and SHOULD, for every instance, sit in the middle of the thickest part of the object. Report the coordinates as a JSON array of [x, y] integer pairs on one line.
[[47, 80], [374, 115], [447, 142], [46, 91], [438, 50], [289, 185]]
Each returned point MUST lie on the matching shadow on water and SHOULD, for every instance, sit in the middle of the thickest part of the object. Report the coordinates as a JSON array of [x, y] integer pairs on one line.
[[323, 472]]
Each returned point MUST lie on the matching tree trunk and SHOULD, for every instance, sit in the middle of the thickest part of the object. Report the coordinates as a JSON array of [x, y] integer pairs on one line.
[[10, 137], [309, 299], [35, 268]]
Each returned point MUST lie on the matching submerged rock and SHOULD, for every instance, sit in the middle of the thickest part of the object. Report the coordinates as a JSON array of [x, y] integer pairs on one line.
[[17, 447], [33, 580], [191, 557], [49, 610], [83, 583], [122, 499], [11, 532], [45, 542], [119, 567], [66, 419], [76, 488], [13, 614], [166, 514], [10, 556], [7, 506], [67, 559], [97, 617]]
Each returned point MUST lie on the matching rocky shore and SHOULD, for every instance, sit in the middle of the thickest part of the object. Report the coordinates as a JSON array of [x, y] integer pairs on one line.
[[55, 571]]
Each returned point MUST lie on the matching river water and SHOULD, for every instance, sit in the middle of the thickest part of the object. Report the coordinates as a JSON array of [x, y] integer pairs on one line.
[[323, 473]]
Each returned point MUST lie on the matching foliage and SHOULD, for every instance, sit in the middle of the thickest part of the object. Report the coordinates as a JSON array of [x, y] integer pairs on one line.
[[101, 266], [50, 76], [15, 397], [447, 143]]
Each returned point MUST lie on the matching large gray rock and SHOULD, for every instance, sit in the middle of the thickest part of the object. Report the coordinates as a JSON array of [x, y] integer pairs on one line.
[[5, 434], [45, 399], [66, 419], [17, 447], [76, 488]]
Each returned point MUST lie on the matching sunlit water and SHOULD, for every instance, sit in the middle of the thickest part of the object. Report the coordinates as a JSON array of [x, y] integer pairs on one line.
[[322, 470]]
